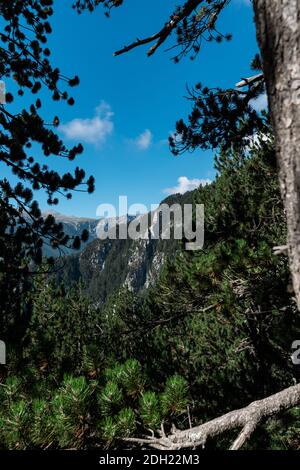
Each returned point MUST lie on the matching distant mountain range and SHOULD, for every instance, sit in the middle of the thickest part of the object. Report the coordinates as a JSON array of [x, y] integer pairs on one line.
[[72, 226]]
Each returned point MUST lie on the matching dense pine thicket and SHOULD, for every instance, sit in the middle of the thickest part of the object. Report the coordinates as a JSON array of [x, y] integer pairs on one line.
[[214, 333]]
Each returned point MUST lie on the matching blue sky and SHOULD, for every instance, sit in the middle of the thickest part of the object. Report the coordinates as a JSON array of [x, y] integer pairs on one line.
[[126, 106]]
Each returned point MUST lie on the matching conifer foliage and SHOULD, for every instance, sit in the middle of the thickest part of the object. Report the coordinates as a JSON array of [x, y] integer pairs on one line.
[[25, 66], [81, 412]]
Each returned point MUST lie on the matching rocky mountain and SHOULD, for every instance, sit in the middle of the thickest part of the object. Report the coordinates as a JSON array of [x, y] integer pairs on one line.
[[105, 265]]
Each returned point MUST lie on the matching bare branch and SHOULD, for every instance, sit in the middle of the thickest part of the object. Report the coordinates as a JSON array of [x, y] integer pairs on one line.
[[244, 435], [137, 43], [280, 250], [250, 80], [165, 32], [247, 418]]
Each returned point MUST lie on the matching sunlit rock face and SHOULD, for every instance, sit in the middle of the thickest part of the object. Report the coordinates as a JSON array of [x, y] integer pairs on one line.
[[108, 264]]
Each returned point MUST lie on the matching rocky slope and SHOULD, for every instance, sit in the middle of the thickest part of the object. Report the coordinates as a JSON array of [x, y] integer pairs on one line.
[[107, 265]]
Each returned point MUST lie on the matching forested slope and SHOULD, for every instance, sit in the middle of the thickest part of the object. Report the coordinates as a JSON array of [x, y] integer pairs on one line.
[[214, 333]]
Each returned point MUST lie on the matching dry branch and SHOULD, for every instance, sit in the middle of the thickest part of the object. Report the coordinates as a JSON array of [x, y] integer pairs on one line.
[[280, 250], [250, 80], [247, 419]]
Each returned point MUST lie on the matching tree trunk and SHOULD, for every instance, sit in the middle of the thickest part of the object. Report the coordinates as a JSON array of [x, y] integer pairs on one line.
[[278, 34]]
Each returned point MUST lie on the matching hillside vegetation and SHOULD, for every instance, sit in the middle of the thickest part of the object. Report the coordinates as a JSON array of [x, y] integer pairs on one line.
[[212, 334]]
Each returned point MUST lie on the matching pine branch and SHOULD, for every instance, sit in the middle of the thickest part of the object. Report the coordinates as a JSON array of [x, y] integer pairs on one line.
[[165, 32]]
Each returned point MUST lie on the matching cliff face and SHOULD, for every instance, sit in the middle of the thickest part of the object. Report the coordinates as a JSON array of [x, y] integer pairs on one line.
[[107, 265]]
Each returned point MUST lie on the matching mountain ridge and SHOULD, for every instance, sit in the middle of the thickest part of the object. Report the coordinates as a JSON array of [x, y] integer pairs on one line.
[[110, 264]]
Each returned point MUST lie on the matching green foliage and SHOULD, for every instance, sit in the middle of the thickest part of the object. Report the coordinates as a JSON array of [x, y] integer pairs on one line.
[[212, 335], [132, 378], [40, 430], [119, 427], [216, 330], [124, 402], [80, 410], [13, 425], [280, 432], [110, 399], [56, 342], [221, 318], [108, 429], [150, 410], [129, 376], [69, 411], [126, 422], [13, 415], [24, 61], [175, 397], [283, 432]]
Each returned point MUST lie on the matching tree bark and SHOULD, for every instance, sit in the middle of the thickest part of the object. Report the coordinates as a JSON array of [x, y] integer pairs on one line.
[[278, 34]]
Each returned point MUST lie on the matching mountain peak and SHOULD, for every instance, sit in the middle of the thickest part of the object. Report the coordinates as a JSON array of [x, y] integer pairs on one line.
[[68, 218]]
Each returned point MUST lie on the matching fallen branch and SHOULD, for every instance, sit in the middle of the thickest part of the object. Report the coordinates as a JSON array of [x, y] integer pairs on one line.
[[247, 419]]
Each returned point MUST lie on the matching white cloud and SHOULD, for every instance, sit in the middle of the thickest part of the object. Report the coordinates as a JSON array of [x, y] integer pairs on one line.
[[93, 130], [260, 103], [144, 140], [185, 184]]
